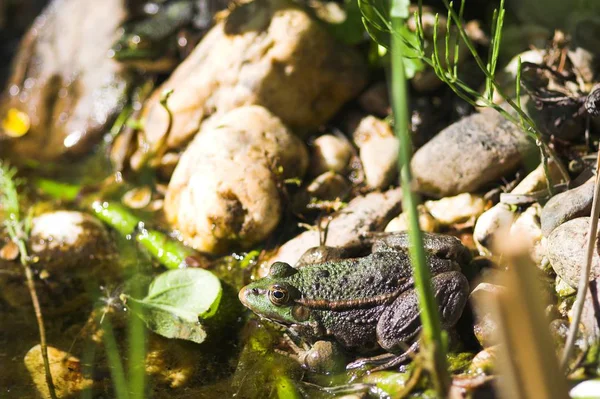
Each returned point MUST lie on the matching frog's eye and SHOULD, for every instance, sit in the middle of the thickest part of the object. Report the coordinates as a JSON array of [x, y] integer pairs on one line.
[[278, 295]]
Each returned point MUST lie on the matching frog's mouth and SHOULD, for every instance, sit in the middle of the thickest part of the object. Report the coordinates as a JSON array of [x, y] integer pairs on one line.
[[256, 299]]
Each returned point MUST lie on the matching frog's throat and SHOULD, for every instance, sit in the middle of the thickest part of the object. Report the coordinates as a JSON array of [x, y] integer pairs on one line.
[[361, 303]]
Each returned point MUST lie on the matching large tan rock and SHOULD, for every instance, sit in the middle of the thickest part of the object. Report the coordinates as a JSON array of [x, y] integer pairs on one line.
[[225, 189], [64, 83], [267, 52]]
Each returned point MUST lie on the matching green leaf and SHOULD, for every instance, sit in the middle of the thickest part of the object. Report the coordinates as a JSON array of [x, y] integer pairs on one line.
[[412, 61], [179, 303]]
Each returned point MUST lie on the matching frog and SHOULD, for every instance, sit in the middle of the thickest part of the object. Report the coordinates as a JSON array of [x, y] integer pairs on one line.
[[156, 41], [365, 304]]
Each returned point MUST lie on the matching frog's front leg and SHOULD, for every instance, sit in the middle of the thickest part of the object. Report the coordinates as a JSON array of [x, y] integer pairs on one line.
[[320, 357], [438, 245]]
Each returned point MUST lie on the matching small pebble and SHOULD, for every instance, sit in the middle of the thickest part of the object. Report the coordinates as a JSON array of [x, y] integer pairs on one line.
[[10, 251]]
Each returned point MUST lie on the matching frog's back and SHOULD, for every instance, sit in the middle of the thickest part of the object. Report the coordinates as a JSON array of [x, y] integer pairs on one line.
[[346, 279]]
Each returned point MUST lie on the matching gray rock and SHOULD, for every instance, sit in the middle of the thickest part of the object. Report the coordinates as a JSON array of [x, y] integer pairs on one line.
[[348, 227], [590, 317], [485, 326], [566, 206], [476, 150], [566, 249]]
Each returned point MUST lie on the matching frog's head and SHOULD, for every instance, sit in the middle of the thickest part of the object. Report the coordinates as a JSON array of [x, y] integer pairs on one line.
[[275, 298], [131, 46]]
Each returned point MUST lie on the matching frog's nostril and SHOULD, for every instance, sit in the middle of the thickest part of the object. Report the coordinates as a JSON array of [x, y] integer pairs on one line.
[[255, 291]]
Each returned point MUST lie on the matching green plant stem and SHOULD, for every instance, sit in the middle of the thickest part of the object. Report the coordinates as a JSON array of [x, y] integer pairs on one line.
[[137, 349], [114, 361], [169, 252], [432, 333]]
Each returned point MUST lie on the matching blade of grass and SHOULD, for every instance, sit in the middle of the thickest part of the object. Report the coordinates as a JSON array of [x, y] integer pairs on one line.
[[457, 41], [137, 350], [114, 360], [432, 332]]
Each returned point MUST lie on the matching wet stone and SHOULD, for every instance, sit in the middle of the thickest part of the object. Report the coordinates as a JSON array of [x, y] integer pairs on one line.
[[470, 153], [566, 206], [566, 248]]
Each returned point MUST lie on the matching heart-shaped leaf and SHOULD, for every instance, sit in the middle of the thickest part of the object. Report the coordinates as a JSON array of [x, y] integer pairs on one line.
[[179, 303]]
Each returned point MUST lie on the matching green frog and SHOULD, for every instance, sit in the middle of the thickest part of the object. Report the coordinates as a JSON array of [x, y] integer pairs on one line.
[[150, 43], [366, 303]]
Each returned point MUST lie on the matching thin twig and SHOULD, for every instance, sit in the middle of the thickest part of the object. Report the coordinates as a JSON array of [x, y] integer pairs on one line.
[[18, 231], [585, 272], [40, 322]]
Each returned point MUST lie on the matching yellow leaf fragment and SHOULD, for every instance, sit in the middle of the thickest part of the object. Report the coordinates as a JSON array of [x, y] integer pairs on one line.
[[16, 123]]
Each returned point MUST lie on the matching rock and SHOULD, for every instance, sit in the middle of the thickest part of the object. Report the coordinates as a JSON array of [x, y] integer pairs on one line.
[[527, 228], [269, 53], [224, 192], [65, 240], [590, 316], [347, 228], [566, 248], [484, 362], [67, 249], [485, 326], [329, 186], [323, 193], [470, 153], [563, 289], [64, 84], [498, 220], [430, 114], [66, 371], [536, 179], [585, 389], [457, 209], [426, 221], [170, 363], [569, 205], [330, 153], [559, 329], [378, 151], [375, 100], [493, 223]]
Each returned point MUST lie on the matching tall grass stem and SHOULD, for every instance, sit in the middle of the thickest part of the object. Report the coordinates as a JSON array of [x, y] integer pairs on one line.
[[432, 340]]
